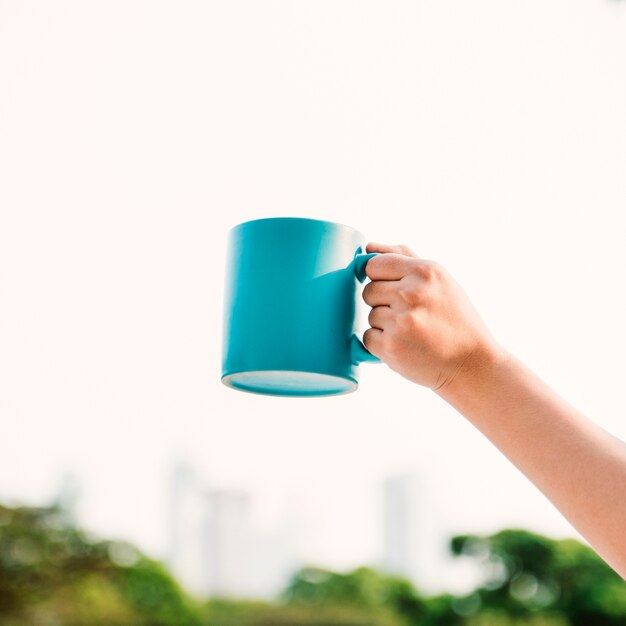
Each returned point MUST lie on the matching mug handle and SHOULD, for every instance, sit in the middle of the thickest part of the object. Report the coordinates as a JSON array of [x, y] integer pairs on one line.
[[358, 352], [360, 261]]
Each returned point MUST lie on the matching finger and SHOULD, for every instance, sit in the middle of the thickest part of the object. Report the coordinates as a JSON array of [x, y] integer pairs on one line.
[[380, 292], [380, 317], [372, 339], [373, 246], [388, 266]]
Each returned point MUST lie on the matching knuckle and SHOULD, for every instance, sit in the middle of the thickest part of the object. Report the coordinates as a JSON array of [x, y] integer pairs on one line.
[[407, 323], [429, 271], [409, 293], [437, 268]]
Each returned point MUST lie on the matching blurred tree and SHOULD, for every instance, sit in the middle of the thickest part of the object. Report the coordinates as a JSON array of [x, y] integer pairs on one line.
[[526, 574], [52, 573], [362, 587]]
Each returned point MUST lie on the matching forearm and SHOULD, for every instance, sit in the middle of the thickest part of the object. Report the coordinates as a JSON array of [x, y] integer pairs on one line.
[[580, 467]]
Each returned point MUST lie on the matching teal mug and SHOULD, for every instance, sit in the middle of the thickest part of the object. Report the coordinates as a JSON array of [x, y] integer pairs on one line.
[[290, 307]]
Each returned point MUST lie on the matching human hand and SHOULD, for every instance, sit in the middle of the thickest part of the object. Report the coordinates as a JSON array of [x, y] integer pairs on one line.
[[423, 325]]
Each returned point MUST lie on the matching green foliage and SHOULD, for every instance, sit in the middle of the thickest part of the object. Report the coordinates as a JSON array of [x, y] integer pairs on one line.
[[40, 552], [220, 612], [149, 588], [527, 574], [491, 617], [528, 579], [363, 587], [230, 613], [52, 573]]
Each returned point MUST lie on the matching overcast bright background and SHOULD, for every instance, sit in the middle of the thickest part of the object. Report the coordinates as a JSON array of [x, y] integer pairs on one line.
[[489, 135]]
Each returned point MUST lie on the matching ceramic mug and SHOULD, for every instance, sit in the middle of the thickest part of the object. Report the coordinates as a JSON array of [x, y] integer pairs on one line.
[[290, 307]]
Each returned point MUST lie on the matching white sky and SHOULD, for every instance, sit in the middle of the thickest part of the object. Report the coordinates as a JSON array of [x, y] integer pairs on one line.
[[489, 135]]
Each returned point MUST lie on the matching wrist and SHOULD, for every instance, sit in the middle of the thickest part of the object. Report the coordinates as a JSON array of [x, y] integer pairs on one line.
[[477, 368]]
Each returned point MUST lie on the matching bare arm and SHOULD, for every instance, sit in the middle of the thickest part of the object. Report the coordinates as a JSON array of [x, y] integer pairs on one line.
[[425, 328]]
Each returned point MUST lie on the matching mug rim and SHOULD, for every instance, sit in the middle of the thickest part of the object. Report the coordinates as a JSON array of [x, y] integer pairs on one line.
[[230, 380], [300, 219]]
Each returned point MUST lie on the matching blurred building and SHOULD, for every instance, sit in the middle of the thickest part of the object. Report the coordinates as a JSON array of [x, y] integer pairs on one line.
[[187, 527], [214, 548], [228, 539], [414, 546]]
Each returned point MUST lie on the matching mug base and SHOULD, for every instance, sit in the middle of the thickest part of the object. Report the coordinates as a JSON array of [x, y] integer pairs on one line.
[[289, 383]]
